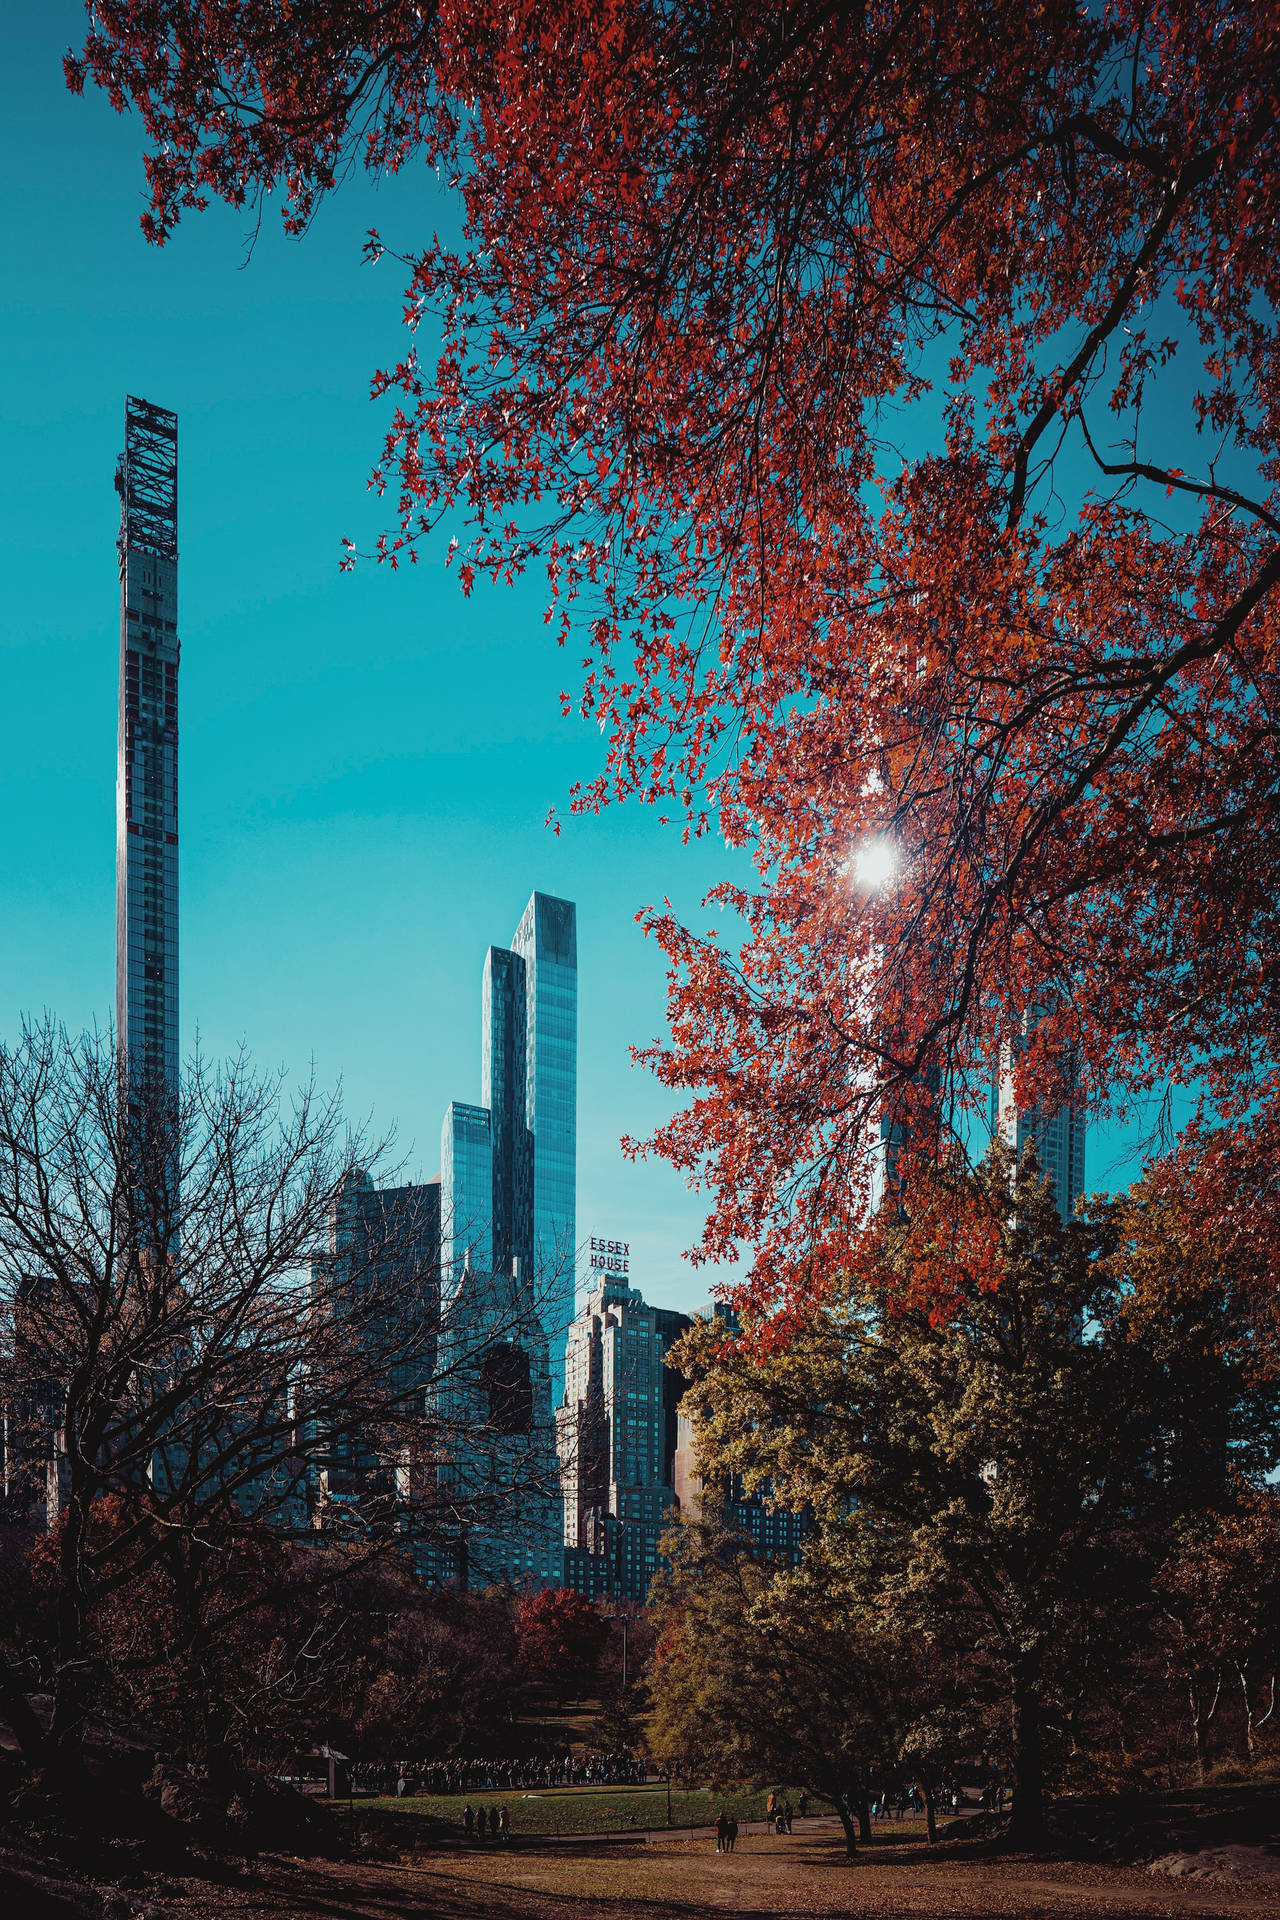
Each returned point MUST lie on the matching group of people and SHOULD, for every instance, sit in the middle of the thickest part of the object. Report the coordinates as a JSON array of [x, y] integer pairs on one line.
[[483, 1775], [779, 1812], [487, 1822], [896, 1804]]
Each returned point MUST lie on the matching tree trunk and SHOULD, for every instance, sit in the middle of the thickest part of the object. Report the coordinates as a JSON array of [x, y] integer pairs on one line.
[[930, 1812], [1027, 1820], [1252, 1719], [221, 1759], [846, 1821], [64, 1766], [1250, 1734], [1202, 1717]]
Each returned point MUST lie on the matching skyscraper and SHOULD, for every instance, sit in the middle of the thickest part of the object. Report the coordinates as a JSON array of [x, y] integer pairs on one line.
[[466, 1193], [507, 1213], [509, 1166], [547, 942], [616, 1433], [1058, 1134], [380, 1280], [147, 745]]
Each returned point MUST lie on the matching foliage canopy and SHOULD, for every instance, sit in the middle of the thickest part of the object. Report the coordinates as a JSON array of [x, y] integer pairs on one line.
[[893, 392]]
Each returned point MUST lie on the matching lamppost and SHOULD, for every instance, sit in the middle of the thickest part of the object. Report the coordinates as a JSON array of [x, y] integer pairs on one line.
[[624, 1621]]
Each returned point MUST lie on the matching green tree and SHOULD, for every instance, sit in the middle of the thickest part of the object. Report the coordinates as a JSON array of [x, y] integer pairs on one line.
[[1000, 1462], [619, 1726], [765, 1672]]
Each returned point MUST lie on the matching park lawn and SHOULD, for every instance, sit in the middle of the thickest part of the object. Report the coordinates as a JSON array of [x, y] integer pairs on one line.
[[569, 1810]]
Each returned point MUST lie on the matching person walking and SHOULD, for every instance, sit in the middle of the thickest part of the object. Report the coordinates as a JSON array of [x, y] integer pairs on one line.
[[468, 1822], [504, 1824], [786, 1813], [731, 1832], [771, 1805], [722, 1831]]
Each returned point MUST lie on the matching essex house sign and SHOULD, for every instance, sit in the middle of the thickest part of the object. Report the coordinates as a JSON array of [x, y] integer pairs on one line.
[[610, 1259]]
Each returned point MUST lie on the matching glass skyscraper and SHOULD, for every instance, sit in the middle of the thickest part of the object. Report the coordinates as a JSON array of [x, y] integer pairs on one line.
[[466, 1193], [380, 1278], [147, 746], [1058, 1134], [503, 1079], [507, 1227], [547, 942], [509, 1165]]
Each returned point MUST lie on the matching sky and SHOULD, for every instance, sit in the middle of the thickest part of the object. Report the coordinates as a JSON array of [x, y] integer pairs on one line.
[[367, 760]]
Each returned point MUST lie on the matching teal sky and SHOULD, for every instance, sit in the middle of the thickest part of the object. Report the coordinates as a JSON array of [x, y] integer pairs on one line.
[[367, 761]]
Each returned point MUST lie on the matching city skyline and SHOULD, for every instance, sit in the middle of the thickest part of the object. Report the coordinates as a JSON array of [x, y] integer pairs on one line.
[[368, 759]]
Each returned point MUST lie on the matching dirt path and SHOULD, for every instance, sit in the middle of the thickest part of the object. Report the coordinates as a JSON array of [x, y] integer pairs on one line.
[[784, 1879]]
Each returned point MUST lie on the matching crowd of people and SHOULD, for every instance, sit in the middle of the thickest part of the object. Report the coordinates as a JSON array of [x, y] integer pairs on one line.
[[483, 1775], [486, 1775], [902, 1802]]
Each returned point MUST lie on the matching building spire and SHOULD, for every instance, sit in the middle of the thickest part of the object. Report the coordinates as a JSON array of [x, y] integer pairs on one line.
[[147, 746]]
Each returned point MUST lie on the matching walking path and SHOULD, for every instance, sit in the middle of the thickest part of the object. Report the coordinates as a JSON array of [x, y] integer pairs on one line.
[[814, 1824], [806, 1875], [801, 1877]]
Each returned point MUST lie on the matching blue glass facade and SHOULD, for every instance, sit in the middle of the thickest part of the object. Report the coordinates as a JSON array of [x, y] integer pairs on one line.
[[1058, 1134], [466, 1193], [384, 1242], [503, 1093], [508, 1180], [501, 1513], [509, 1166], [381, 1278], [547, 942]]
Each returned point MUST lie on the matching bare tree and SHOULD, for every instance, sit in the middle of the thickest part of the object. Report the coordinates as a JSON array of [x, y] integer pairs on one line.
[[200, 1343]]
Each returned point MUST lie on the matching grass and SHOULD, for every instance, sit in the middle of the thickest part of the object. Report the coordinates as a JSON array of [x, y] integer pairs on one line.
[[573, 1810]]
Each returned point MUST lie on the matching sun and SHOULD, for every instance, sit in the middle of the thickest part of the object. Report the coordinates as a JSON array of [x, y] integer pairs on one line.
[[872, 865]]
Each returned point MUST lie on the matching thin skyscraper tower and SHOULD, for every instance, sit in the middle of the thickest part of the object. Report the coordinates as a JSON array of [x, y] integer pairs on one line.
[[147, 750]]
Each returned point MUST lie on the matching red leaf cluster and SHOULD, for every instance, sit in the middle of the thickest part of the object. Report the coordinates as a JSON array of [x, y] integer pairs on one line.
[[894, 392]]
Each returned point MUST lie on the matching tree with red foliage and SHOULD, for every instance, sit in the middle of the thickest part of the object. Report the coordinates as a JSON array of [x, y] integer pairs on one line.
[[892, 396], [561, 1637]]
